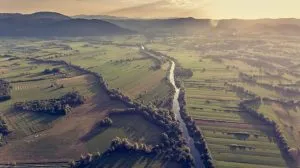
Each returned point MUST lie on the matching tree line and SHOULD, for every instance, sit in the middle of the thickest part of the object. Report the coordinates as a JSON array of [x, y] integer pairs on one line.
[[173, 145], [279, 89], [163, 118], [240, 90], [183, 72], [5, 90], [3, 127], [60, 106], [280, 139], [195, 132], [3, 131], [193, 129], [117, 145]]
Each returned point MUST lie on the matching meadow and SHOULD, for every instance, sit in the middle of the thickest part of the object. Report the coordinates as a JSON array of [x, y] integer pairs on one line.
[[234, 137], [220, 64], [35, 137]]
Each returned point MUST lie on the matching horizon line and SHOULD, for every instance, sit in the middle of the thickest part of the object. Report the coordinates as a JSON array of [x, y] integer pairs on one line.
[[145, 18]]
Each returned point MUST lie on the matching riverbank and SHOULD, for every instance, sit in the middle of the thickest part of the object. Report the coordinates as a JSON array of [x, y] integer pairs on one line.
[[176, 109]]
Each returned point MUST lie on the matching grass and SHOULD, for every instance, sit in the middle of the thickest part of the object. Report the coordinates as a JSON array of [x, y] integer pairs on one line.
[[133, 75], [125, 126], [244, 165], [286, 118], [132, 160], [262, 92], [123, 68], [24, 123], [132, 78], [159, 93], [213, 59], [265, 152], [209, 100]]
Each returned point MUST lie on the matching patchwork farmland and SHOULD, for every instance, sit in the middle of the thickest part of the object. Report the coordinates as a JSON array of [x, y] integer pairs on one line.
[[221, 81], [245, 105], [55, 70]]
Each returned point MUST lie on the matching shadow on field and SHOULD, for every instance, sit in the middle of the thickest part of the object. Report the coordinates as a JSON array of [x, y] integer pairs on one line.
[[93, 132], [129, 159], [28, 123], [257, 124]]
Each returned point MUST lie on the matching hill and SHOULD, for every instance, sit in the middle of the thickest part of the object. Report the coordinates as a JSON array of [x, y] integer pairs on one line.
[[170, 25], [55, 24], [282, 26], [99, 17], [37, 15], [286, 26]]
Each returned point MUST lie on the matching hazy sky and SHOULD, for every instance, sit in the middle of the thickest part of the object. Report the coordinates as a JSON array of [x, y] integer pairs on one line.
[[161, 8]]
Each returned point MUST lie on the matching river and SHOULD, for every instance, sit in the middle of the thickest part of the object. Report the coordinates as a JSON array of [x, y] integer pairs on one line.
[[176, 109]]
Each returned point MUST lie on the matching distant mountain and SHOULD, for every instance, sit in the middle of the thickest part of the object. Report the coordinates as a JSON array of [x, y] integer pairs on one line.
[[55, 24], [172, 25], [191, 25], [48, 15], [99, 17], [38, 15], [282, 26]]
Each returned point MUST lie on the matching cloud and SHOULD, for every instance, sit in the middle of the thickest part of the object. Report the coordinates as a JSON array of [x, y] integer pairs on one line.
[[196, 8], [183, 3], [161, 8]]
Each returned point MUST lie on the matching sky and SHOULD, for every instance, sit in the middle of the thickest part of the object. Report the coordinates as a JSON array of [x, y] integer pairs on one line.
[[214, 9]]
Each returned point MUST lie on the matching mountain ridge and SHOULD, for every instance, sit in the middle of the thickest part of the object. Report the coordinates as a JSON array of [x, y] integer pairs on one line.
[[55, 24]]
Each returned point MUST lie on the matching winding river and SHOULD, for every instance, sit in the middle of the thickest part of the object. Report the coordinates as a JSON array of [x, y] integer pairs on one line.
[[176, 109]]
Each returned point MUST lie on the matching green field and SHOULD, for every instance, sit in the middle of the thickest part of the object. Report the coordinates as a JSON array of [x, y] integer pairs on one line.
[[28, 89], [132, 160], [234, 137], [123, 68], [286, 117], [125, 126], [215, 106]]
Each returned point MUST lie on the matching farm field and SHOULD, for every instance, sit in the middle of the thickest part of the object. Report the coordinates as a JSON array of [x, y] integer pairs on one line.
[[234, 137], [69, 136], [122, 65], [218, 103], [132, 160], [286, 117], [124, 126], [149, 84], [225, 73]]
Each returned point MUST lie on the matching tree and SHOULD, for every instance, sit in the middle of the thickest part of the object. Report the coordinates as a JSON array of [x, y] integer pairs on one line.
[[164, 137], [50, 71], [72, 164], [106, 122]]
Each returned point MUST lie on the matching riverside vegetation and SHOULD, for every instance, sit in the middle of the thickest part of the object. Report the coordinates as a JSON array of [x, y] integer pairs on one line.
[[109, 100]]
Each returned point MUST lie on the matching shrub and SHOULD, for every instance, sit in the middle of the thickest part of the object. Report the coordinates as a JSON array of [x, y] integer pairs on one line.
[[51, 71], [106, 122]]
